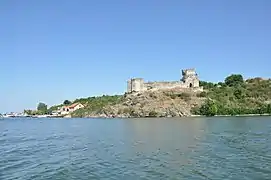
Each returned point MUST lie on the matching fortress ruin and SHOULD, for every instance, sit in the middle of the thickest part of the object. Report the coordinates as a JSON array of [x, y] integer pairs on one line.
[[189, 80]]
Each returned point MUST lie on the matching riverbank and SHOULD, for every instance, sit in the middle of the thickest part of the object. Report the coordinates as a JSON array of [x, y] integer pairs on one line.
[[243, 115], [191, 116], [146, 117], [34, 116]]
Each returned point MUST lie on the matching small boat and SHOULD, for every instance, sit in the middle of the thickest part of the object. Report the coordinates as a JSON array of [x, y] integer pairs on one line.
[[8, 116]]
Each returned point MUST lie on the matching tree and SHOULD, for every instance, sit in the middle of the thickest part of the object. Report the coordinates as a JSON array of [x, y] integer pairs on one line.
[[238, 93], [221, 84], [262, 109], [209, 108], [28, 111], [268, 108], [42, 107], [234, 79], [67, 102], [206, 85]]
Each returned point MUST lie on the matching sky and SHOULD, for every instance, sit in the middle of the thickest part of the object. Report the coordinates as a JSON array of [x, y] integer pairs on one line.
[[55, 50]]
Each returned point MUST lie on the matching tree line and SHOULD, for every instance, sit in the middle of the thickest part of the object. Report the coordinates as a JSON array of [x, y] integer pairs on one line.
[[43, 109], [236, 96]]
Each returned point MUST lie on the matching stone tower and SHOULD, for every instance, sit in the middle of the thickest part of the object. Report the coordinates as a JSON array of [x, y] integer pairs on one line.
[[190, 78], [135, 85]]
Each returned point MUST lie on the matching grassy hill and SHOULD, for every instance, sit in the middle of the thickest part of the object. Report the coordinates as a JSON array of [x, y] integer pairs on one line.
[[94, 105]]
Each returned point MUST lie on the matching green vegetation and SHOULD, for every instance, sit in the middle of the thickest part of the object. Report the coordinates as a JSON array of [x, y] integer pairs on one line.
[[28, 112], [209, 108], [67, 102], [92, 104], [41, 109], [153, 114], [183, 95], [234, 80], [55, 107], [236, 96], [95, 104], [202, 94]]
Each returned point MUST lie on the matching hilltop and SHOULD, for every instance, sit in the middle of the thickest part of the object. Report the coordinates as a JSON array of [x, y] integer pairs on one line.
[[145, 104]]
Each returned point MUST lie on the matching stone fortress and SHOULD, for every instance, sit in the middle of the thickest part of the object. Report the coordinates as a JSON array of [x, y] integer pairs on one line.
[[190, 80]]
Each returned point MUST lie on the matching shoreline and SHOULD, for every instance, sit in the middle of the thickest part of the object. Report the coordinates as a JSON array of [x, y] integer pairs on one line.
[[146, 117], [243, 115], [191, 116]]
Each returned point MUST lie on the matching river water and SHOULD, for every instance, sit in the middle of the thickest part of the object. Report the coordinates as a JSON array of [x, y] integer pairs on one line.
[[185, 148]]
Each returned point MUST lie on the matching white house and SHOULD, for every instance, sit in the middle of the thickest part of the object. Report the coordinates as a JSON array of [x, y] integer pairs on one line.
[[71, 108]]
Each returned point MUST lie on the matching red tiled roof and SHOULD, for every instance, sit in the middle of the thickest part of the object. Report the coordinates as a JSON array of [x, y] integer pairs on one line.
[[72, 106]]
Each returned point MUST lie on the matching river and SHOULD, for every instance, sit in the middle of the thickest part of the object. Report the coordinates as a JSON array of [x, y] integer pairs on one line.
[[184, 148]]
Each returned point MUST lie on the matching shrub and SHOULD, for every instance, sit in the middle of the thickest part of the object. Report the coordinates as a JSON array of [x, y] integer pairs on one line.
[[126, 111], [184, 96], [153, 114], [209, 108], [202, 94]]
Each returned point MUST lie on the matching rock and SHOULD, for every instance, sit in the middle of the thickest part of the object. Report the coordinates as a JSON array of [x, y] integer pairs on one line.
[[151, 103]]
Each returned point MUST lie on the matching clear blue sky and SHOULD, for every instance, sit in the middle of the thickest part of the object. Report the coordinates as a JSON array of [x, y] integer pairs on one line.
[[52, 50]]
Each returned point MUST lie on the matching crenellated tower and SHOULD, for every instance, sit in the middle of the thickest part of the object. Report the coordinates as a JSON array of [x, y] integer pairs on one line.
[[190, 78]]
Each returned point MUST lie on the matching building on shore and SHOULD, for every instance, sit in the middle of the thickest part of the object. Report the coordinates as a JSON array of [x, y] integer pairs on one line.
[[189, 80], [64, 110]]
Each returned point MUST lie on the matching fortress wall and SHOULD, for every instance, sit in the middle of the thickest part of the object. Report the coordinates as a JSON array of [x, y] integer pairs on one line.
[[163, 85], [189, 81]]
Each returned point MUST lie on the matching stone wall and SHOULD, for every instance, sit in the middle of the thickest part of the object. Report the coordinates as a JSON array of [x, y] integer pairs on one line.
[[163, 85], [129, 86], [189, 80]]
